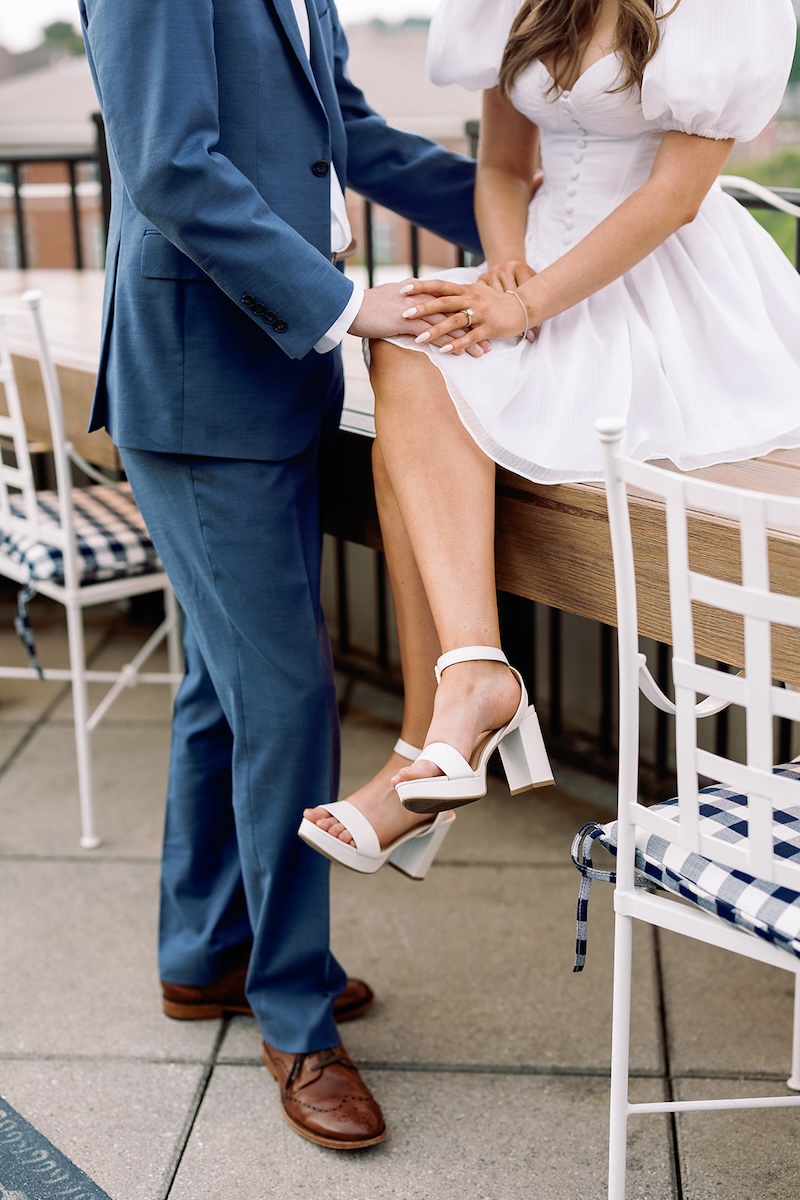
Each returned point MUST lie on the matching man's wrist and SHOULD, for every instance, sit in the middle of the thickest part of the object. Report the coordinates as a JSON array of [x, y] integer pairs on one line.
[[330, 340]]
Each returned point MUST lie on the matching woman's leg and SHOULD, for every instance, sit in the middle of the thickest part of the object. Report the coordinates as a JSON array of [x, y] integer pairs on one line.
[[419, 649], [444, 488]]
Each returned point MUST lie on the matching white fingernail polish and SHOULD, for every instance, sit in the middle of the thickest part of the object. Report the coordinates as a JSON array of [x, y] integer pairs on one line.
[[446, 349], [423, 337], [405, 290], [410, 312]]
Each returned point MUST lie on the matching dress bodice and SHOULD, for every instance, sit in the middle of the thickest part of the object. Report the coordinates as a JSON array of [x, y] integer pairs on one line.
[[696, 345], [597, 147]]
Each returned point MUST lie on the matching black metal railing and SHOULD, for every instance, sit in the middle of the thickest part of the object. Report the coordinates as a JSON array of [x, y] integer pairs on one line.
[[14, 169]]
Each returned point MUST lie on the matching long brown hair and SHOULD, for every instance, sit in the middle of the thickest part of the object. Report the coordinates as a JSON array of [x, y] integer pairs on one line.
[[558, 30]]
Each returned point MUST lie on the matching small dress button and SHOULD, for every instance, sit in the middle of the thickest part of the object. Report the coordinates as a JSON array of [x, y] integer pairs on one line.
[[577, 157], [259, 309], [270, 317], [569, 209], [320, 168], [567, 241], [569, 224], [572, 190], [248, 300], [581, 143], [279, 326], [574, 173]]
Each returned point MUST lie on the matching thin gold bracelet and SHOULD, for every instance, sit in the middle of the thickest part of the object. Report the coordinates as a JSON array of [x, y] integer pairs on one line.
[[517, 296]]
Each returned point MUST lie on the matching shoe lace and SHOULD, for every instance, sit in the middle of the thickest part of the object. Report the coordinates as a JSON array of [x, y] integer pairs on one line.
[[324, 1058]]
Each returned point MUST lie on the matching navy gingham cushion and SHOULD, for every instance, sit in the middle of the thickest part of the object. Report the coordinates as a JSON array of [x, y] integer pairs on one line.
[[763, 909], [111, 537]]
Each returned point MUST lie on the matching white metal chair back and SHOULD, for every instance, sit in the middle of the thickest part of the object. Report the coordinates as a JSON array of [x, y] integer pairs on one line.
[[19, 510], [693, 845], [754, 690], [16, 477]]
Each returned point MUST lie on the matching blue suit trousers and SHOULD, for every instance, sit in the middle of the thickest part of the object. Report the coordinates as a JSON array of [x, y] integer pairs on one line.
[[255, 733]]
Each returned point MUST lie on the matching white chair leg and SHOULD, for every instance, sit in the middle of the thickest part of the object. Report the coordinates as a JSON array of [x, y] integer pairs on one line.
[[80, 713], [793, 1081], [620, 1057], [174, 646]]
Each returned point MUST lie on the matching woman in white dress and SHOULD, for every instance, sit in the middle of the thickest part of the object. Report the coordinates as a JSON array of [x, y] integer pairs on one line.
[[644, 292]]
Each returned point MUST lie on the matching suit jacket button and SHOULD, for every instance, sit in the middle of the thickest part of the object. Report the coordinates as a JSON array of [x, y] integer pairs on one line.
[[259, 309], [270, 318], [320, 168], [248, 300], [279, 326]]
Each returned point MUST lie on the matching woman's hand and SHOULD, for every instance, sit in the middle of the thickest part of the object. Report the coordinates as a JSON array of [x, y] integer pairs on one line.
[[473, 312]]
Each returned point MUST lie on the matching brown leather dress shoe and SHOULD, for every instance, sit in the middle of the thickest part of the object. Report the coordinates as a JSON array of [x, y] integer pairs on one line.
[[226, 997], [324, 1098]]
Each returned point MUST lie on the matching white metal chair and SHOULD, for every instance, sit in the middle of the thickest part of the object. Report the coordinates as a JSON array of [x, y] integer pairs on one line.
[[80, 546], [733, 848]]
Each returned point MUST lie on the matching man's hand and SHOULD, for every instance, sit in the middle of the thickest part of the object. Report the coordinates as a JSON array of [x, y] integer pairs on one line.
[[381, 315]]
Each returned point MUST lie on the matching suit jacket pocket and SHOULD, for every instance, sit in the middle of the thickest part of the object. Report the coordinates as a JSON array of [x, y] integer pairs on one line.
[[162, 260]]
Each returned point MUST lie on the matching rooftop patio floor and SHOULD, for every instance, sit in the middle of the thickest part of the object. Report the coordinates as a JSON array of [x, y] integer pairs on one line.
[[489, 1057]]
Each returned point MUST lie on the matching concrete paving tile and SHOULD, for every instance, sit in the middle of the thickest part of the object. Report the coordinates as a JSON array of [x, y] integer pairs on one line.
[[536, 827], [471, 1136], [149, 702], [475, 967], [28, 699], [120, 1122], [79, 973], [741, 1155], [39, 791], [725, 1012], [11, 734], [374, 708]]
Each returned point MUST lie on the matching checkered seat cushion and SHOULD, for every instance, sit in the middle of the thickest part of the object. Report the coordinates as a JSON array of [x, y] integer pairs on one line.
[[111, 537], [763, 909]]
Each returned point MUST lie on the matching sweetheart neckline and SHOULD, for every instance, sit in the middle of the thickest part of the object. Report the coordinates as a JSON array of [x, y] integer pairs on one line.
[[583, 74]]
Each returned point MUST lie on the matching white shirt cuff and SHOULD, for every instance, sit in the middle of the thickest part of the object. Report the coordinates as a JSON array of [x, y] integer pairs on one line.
[[330, 340]]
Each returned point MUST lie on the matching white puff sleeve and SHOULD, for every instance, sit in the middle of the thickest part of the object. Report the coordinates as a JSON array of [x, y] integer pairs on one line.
[[721, 67], [466, 41]]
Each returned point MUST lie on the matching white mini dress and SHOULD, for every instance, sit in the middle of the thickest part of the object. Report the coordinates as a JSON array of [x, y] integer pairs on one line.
[[698, 346]]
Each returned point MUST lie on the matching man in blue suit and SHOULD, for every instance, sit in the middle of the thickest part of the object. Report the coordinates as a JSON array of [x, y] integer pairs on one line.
[[232, 129]]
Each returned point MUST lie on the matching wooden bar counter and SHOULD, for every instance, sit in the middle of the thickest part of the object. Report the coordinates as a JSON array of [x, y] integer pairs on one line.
[[552, 541]]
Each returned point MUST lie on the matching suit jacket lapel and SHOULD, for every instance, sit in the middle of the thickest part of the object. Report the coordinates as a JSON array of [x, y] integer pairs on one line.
[[285, 15], [323, 83], [326, 87]]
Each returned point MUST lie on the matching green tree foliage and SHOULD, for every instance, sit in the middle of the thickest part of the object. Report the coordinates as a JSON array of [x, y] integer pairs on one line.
[[62, 35], [783, 170], [794, 74]]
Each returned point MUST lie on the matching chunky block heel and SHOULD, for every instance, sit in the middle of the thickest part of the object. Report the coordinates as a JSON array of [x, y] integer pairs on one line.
[[415, 857], [524, 756]]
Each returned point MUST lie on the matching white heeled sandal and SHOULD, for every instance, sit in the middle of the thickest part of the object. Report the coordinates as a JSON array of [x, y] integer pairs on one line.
[[413, 853], [520, 744]]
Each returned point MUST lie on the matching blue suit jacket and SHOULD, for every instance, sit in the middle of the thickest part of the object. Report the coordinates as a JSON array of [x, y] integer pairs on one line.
[[219, 280]]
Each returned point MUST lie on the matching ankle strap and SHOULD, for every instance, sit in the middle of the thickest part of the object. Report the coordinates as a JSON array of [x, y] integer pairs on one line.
[[468, 654], [407, 750]]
